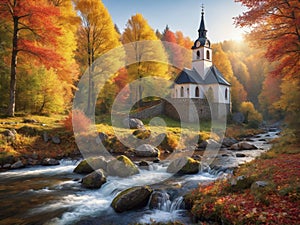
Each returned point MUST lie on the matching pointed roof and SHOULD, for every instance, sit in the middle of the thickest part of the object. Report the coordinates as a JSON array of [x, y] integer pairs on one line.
[[202, 38], [213, 76]]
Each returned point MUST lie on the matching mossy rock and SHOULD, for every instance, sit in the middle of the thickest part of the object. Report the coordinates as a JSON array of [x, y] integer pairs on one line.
[[142, 134], [28, 131], [94, 180], [184, 165], [122, 167], [132, 198], [90, 164]]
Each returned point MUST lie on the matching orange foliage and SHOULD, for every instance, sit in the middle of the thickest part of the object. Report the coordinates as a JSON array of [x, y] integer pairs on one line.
[[79, 119]]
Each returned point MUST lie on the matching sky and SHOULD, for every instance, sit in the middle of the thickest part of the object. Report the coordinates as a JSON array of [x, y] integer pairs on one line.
[[182, 15]]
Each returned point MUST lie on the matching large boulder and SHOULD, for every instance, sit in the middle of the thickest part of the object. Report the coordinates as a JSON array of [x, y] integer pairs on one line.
[[146, 150], [133, 123], [90, 164], [121, 167], [158, 199], [132, 198], [243, 146], [184, 165], [94, 180]]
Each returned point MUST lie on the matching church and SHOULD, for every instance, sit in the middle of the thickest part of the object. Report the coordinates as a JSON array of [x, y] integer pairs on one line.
[[202, 90]]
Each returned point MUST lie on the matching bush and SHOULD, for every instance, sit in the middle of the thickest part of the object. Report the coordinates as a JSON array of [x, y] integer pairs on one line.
[[80, 120], [253, 117]]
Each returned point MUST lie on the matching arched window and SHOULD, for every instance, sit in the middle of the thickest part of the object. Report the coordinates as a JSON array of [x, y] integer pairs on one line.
[[182, 92], [188, 92], [198, 54], [208, 54], [226, 94], [197, 92]]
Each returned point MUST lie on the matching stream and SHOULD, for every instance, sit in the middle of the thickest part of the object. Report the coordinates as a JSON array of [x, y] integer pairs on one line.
[[53, 195]]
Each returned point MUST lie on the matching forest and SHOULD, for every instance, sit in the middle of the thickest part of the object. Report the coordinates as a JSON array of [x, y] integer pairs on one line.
[[47, 46]]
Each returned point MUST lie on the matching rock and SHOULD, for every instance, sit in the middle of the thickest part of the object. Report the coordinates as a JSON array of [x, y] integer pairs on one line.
[[50, 162], [29, 120], [212, 144], [10, 134], [157, 199], [46, 137], [157, 160], [240, 155], [228, 142], [238, 117], [184, 165], [6, 166], [259, 184], [133, 123], [202, 145], [262, 140], [17, 165], [132, 198], [94, 180], [242, 146], [56, 140], [28, 131], [142, 134], [146, 150], [121, 167], [144, 165], [102, 136], [90, 164]]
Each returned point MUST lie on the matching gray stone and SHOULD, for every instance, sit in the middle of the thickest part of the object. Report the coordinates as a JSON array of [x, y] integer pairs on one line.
[[17, 165], [56, 140], [90, 164], [122, 167], [133, 123], [158, 198], [50, 162], [94, 180], [184, 165], [46, 137], [259, 185], [240, 155], [146, 150], [144, 165], [132, 198], [6, 166], [228, 142], [243, 146]]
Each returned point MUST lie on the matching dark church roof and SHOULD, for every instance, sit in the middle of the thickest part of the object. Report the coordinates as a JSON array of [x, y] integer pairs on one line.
[[213, 76], [202, 37]]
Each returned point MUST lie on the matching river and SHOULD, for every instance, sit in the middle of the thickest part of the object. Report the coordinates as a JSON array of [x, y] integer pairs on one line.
[[53, 195]]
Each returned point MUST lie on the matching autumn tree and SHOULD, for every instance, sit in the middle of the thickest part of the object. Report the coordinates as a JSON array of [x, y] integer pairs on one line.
[[275, 25], [253, 117], [138, 29], [33, 34], [97, 35]]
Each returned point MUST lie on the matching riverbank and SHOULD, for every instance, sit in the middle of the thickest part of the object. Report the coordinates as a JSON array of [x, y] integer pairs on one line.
[[264, 191]]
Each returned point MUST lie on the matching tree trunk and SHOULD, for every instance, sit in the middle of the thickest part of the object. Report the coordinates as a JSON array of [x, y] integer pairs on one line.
[[13, 70]]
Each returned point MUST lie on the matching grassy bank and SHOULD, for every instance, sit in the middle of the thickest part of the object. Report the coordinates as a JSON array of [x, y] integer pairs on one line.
[[239, 200]]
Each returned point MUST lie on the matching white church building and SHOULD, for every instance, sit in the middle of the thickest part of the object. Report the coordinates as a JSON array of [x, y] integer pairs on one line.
[[203, 84]]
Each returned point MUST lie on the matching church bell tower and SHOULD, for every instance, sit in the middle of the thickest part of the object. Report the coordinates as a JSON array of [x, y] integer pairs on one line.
[[202, 53]]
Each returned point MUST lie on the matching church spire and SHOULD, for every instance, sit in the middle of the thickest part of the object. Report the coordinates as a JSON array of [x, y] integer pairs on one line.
[[202, 31]]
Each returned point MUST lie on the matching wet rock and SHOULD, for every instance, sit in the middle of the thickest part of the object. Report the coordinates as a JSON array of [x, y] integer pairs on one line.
[[94, 180], [158, 198], [132, 198], [50, 162], [56, 140], [90, 164], [157, 160], [121, 167], [184, 165], [243, 146], [240, 155], [144, 165], [6, 166], [228, 142], [259, 185], [17, 165], [146, 150], [133, 123], [262, 140]]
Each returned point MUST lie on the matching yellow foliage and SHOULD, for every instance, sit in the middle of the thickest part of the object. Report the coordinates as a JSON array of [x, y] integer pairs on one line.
[[252, 115]]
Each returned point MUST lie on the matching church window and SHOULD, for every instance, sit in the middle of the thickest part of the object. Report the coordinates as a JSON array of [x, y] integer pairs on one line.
[[182, 92], [208, 54], [197, 92], [198, 54], [188, 92], [226, 94]]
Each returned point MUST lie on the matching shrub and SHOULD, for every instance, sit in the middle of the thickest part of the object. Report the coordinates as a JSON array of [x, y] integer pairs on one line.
[[80, 120], [253, 117]]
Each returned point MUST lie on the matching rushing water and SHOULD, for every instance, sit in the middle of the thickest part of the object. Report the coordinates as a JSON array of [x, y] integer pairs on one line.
[[53, 195]]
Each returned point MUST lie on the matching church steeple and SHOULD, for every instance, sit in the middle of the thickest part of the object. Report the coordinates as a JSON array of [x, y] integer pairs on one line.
[[202, 38], [202, 31]]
